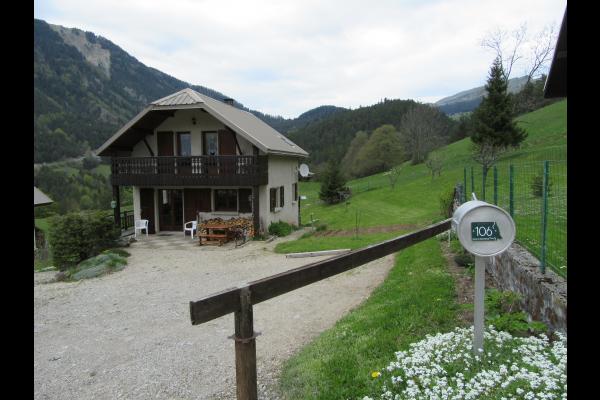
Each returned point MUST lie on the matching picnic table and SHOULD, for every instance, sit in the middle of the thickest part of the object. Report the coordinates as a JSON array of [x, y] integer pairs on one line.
[[215, 234]]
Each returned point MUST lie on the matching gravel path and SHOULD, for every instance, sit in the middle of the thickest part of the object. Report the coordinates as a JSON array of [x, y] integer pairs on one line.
[[128, 335]]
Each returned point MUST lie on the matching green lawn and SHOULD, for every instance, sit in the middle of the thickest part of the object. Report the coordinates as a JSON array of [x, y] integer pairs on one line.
[[416, 299]]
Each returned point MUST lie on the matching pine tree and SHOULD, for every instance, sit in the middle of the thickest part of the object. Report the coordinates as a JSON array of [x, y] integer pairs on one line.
[[493, 129], [332, 184], [493, 120]]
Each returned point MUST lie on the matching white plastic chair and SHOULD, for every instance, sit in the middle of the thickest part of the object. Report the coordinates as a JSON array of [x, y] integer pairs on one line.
[[192, 229], [140, 225]]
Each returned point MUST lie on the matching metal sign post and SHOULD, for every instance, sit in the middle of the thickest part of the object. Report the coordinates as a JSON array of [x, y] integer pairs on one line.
[[484, 230], [478, 320]]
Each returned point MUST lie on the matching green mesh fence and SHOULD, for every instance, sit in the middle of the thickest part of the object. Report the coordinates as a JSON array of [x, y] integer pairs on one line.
[[535, 193]]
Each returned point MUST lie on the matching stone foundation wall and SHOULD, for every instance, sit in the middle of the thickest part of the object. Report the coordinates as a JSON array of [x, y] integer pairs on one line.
[[544, 295]]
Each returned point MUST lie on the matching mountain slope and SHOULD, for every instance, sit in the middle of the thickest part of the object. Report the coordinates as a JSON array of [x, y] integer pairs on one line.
[[86, 87], [329, 139], [468, 100]]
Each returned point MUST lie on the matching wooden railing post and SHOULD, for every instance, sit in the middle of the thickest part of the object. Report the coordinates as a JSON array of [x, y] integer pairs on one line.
[[245, 349]]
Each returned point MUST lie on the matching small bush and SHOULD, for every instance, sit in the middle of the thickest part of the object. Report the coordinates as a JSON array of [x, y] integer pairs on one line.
[[503, 312], [321, 227], [446, 203], [464, 259], [537, 185], [280, 228], [75, 237]]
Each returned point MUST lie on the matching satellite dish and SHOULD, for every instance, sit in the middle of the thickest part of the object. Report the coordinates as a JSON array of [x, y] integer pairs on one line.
[[303, 169]]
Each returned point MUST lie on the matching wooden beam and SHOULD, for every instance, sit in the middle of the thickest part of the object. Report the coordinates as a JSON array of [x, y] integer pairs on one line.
[[228, 301], [318, 253], [149, 148]]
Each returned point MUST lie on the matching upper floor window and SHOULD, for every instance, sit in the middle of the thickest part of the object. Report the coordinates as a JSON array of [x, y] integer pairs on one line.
[[184, 144], [210, 143]]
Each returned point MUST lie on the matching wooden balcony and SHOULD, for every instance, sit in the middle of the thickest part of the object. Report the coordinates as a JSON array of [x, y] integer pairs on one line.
[[190, 171]]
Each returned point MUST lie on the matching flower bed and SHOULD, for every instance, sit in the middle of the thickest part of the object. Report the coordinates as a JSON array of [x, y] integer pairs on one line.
[[444, 367]]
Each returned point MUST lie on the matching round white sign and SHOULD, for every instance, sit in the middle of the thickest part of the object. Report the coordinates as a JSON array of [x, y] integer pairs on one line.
[[482, 228]]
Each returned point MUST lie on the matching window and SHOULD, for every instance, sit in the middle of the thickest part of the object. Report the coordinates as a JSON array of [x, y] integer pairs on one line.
[[273, 198], [295, 191], [245, 200], [281, 197], [184, 144], [210, 143], [226, 199]]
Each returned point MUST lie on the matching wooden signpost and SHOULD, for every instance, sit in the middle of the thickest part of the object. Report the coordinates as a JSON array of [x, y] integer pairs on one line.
[[240, 300]]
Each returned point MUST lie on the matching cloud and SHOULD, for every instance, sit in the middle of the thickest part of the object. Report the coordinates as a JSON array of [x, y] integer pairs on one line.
[[285, 57]]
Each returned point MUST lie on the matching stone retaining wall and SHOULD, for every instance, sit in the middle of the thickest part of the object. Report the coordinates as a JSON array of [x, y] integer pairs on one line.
[[544, 295]]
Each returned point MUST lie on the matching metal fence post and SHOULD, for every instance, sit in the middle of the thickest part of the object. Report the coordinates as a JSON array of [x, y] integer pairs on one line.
[[472, 181], [544, 216], [464, 192], [511, 193], [495, 185], [483, 176]]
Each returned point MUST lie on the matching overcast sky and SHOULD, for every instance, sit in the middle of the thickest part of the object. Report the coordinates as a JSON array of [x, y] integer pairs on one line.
[[286, 57]]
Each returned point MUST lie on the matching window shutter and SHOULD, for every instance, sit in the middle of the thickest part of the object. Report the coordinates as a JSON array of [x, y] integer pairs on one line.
[[281, 197], [273, 198]]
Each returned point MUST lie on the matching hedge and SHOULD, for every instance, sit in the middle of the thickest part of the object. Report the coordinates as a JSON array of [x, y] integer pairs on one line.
[[77, 236]]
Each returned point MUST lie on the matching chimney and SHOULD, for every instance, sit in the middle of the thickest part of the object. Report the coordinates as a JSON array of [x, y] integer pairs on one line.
[[228, 101]]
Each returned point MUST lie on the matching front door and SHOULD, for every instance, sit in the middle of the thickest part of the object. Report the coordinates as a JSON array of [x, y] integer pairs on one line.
[[170, 209], [147, 208], [196, 200]]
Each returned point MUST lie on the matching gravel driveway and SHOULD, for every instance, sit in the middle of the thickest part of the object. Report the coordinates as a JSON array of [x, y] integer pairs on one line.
[[128, 335]]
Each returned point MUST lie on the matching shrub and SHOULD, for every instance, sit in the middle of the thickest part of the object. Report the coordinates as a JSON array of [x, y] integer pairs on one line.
[[537, 185], [77, 236], [447, 202], [503, 311], [464, 259], [280, 228], [321, 227]]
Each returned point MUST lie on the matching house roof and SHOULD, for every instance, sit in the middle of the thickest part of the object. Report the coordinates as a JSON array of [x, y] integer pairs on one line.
[[242, 122], [556, 83], [40, 198]]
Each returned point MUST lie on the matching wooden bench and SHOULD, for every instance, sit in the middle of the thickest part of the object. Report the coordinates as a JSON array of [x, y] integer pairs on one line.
[[211, 237]]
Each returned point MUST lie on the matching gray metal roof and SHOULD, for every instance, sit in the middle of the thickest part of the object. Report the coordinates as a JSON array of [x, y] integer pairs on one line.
[[40, 198], [244, 123], [185, 96]]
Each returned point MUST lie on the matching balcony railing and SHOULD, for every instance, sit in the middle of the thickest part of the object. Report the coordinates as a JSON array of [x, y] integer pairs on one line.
[[194, 170]]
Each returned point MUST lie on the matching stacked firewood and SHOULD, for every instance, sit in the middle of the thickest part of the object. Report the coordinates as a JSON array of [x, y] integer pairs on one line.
[[243, 223]]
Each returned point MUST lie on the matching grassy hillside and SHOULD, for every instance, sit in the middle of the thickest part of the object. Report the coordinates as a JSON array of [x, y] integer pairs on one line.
[[415, 200]]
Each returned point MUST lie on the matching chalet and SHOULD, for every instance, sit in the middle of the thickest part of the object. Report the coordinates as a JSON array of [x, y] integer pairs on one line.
[[189, 156]]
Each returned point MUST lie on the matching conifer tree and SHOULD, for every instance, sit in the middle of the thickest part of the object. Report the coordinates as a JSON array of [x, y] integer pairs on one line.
[[332, 184], [493, 129], [493, 120]]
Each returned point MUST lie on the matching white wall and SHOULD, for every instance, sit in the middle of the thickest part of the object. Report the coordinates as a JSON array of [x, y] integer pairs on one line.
[[137, 205], [141, 150], [283, 171]]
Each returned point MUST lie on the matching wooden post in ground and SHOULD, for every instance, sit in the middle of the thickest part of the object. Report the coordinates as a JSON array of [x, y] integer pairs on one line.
[[245, 349]]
